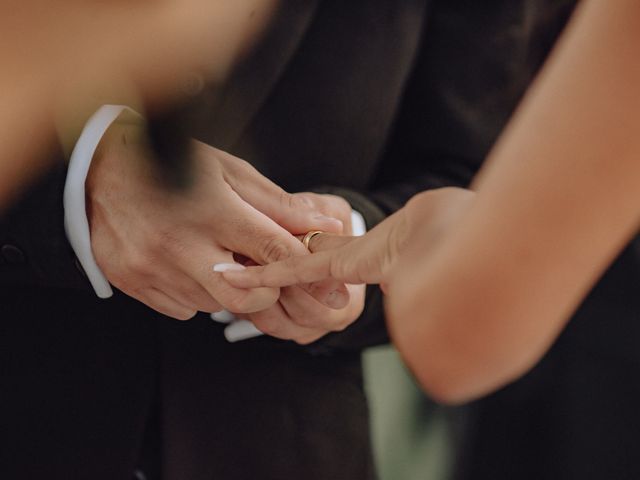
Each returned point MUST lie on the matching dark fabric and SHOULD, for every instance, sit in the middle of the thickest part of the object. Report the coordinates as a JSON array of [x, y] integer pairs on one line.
[[379, 98], [575, 415], [257, 411], [34, 225], [77, 383], [97, 388]]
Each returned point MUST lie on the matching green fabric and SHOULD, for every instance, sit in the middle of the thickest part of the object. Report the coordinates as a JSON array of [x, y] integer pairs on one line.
[[412, 436]]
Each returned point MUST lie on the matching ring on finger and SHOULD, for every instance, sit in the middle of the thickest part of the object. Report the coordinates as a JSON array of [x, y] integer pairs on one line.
[[306, 240]]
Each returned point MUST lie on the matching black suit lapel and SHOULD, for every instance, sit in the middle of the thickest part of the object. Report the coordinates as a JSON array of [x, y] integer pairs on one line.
[[224, 116]]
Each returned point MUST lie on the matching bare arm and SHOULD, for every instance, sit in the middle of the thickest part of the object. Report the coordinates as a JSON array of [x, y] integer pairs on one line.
[[558, 200], [93, 53]]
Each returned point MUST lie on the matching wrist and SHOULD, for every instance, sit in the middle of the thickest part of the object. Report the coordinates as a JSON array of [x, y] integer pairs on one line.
[[75, 214]]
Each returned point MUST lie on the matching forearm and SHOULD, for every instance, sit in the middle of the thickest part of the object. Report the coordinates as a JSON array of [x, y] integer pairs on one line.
[[555, 205]]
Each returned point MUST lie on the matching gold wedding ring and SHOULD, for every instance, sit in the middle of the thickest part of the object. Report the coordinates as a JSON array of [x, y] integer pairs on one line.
[[307, 238]]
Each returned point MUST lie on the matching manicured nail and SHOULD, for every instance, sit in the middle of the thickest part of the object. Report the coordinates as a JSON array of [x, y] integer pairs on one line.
[[241, 330], [223, 316], [337, 299], [228, 267]]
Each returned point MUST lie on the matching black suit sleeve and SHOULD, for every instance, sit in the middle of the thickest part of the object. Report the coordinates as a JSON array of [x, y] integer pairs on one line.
[[35, 251]]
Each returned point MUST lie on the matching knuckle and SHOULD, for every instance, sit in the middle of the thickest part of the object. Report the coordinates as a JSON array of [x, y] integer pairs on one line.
[[202, 302], [341, 205], [236, 302], [335, 206], [241, 163], [208, 305], [274, 249], [301, 200], [286, 199], [137, 263]]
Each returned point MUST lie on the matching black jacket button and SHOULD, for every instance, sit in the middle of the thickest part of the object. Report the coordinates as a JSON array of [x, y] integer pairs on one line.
[[12, 254]]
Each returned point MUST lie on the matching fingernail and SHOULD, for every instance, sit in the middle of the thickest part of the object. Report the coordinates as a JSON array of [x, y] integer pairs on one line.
[[337, 299], [228, 267], [223, 316], [241, 330]]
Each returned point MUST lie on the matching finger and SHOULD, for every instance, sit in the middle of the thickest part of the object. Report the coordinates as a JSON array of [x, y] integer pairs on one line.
[[331, 206], [244, 330], [293, 271], [306, 311], [187, 291], [294, 213], [258, 237], [162, 303], [264, 241], [231, 298], [328, 241], [197, 262], [329, 292], [277, 322]]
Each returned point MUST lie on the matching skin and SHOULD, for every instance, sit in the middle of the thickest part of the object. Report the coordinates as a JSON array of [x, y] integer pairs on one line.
[[162, 252], [56, 73], [474, 306], [159, 247]]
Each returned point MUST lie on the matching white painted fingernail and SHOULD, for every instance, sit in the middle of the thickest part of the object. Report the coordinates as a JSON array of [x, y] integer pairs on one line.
[[223, 316], [228, 267], [241, 330]]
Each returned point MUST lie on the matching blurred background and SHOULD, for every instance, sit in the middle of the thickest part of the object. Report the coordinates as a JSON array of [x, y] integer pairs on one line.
[[413, 437]]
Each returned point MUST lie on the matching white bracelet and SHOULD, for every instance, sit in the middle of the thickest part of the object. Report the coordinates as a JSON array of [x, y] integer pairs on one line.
[[76, 223]]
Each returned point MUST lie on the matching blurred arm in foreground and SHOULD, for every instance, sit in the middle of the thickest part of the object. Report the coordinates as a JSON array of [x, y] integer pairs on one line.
[[56, 73]]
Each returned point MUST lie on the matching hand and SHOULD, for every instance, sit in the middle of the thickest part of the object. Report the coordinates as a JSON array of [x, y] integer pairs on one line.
[[414, 229], [297, 315], [56, 73], [159, 246]]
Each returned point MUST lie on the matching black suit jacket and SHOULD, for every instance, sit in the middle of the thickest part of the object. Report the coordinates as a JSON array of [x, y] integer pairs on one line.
[[88, 382], [374, 100]]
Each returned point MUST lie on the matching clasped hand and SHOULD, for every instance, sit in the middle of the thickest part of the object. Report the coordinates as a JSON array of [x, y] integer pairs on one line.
[[397, 244], [159, 246]]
